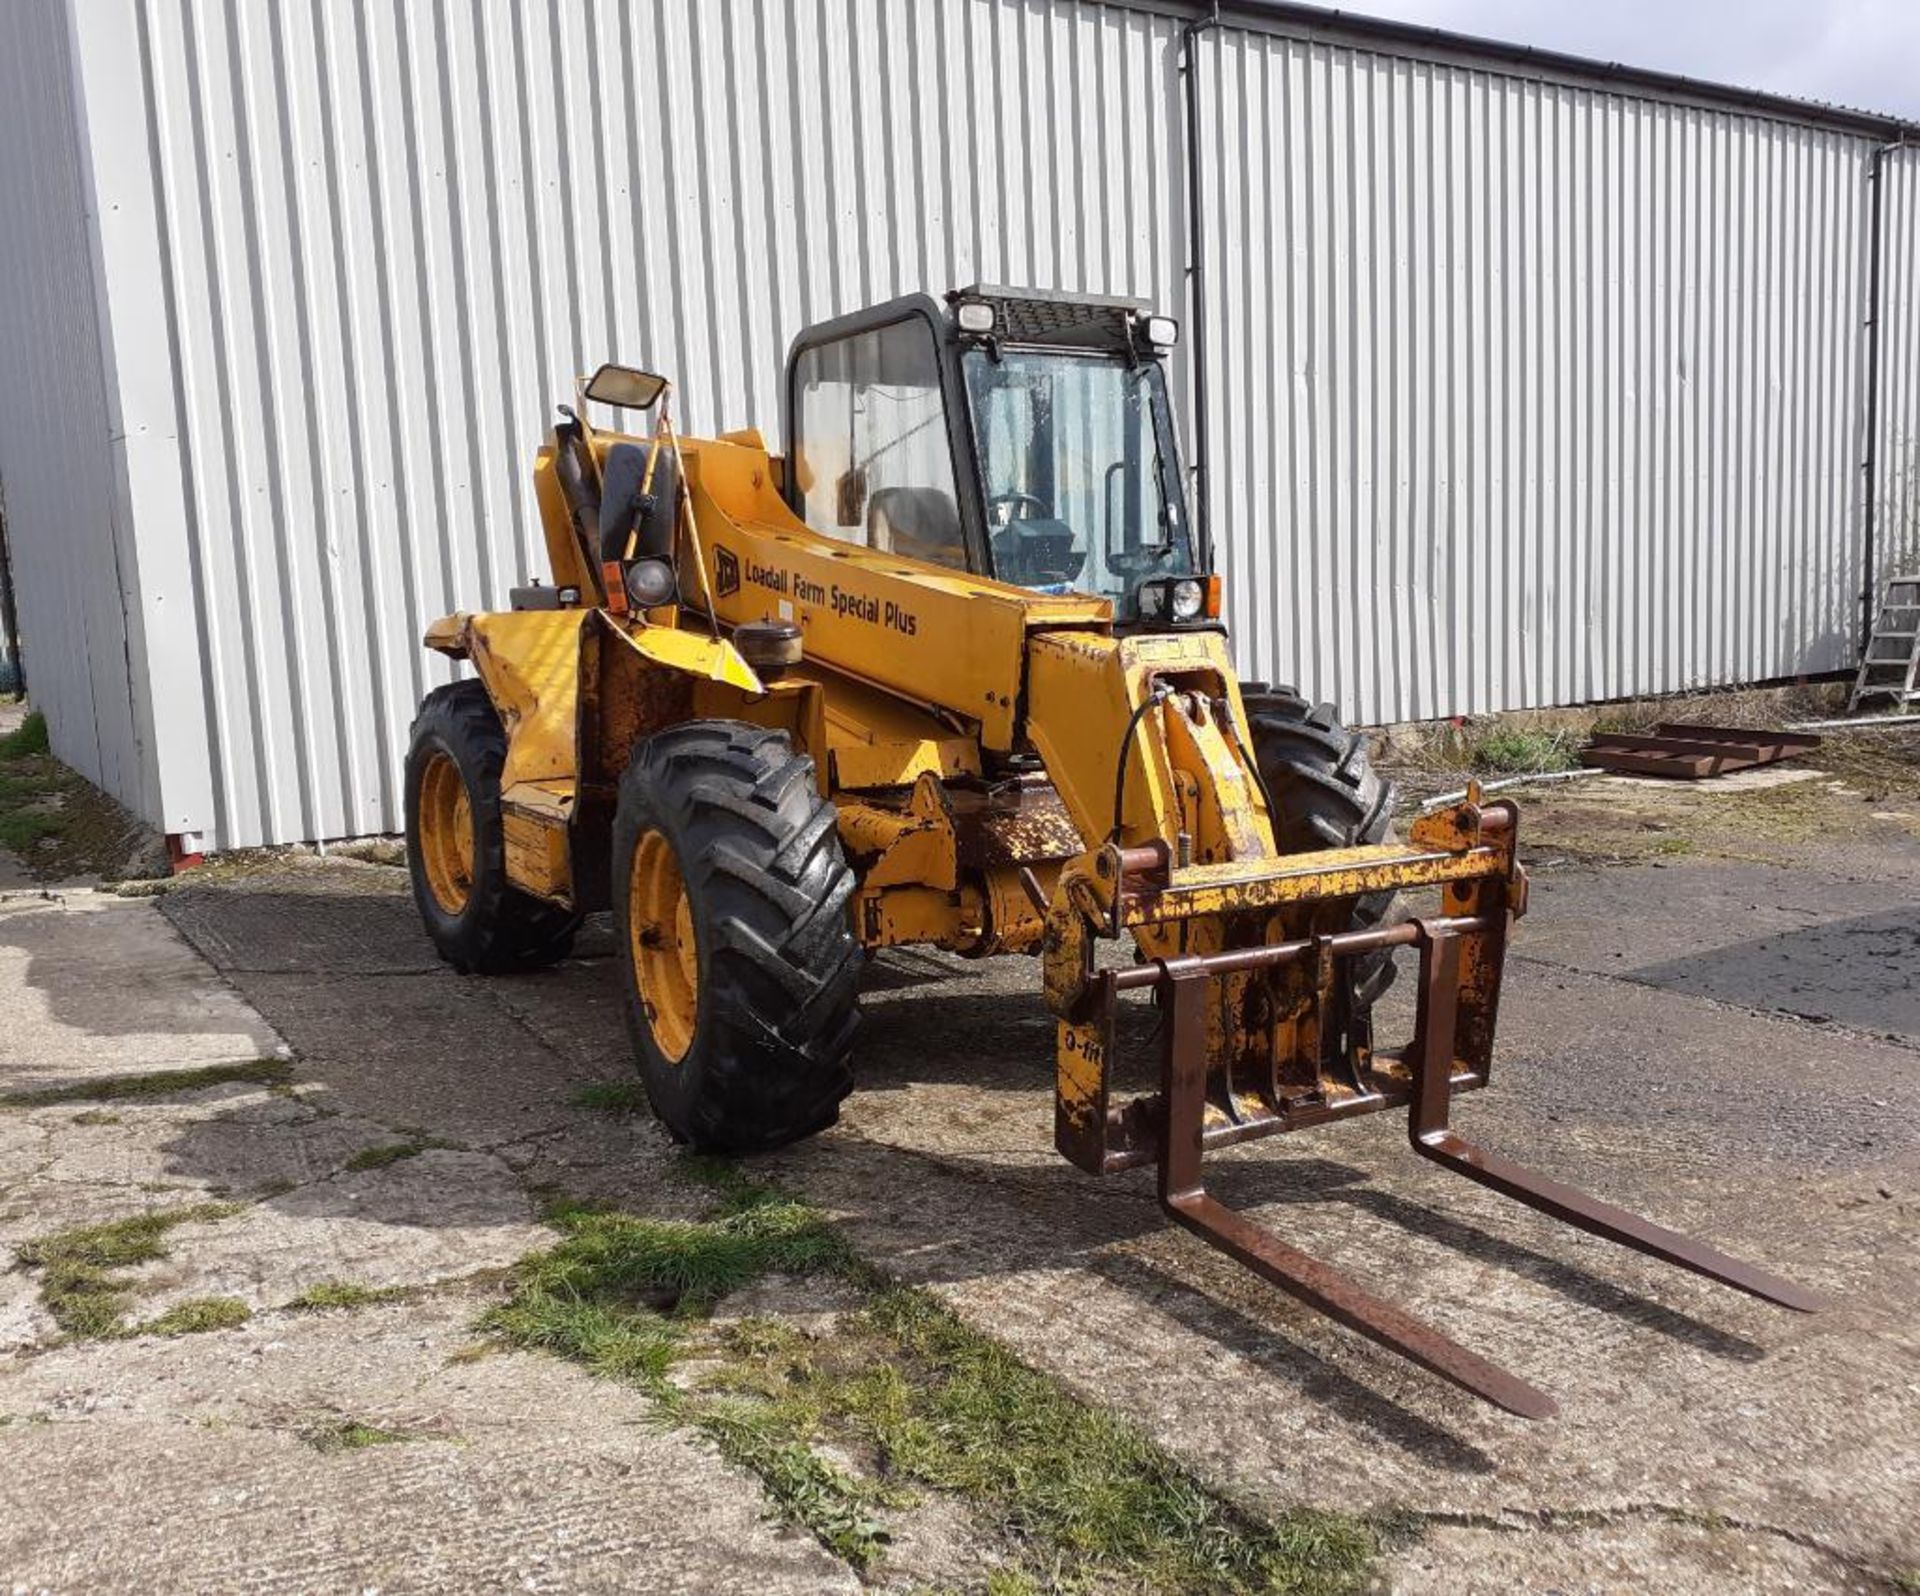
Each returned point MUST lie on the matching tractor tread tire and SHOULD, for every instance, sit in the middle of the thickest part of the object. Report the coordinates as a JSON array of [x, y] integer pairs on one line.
[[759, 853], [1326, 794], [502, 929]]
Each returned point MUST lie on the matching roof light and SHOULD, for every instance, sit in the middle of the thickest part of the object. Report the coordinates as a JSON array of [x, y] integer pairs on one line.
[[974, 316], [1163, 332]]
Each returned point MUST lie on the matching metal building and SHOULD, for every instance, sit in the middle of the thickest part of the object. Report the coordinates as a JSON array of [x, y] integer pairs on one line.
[[1514, 380]]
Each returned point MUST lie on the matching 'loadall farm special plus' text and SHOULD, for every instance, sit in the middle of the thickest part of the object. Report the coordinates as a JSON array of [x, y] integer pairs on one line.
[[952, 672]]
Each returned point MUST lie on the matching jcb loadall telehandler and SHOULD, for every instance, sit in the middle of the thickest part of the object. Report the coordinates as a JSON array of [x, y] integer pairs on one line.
[[952, 672]]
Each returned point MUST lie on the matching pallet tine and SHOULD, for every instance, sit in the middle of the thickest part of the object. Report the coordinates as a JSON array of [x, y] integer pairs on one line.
[[1183, 1194], [1432, 1138]]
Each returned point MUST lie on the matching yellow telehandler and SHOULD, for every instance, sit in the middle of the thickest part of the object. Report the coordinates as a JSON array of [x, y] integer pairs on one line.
[[952, 672]]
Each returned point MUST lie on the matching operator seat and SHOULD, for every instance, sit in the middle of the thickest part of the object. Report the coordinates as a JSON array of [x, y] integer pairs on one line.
[[920, 523]]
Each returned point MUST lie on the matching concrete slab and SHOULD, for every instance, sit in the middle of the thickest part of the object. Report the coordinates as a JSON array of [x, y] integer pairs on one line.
[[93, 985], [1805, 943], [184, 1466], [1758, 779], [348, 920]]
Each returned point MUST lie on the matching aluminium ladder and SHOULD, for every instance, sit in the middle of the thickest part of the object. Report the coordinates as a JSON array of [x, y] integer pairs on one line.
[[1890, 668]]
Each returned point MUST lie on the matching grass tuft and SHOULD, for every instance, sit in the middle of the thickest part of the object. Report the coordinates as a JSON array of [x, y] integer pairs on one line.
[[156, 1083], [805, 1488], [1086, 1497], [22, 829], [382, 1154], [83, 1287], [1523, 751], [27, 740], [351, 1435], [345, 1294], [195, 1315], [953, 1409]]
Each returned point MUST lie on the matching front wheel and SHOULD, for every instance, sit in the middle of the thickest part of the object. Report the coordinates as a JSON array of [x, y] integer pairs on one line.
[[1326, 794], [730, 892]]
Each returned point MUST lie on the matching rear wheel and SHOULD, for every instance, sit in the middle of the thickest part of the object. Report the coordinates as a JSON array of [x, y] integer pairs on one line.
[[1326, 794], [456, 847], [730, 893]]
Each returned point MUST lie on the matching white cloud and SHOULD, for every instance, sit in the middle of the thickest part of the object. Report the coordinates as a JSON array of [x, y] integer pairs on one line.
[[1860, 53]]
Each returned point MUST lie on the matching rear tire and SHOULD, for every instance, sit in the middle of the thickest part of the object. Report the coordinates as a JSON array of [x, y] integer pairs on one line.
[[456, 847], [730, 893], [1326, 794]]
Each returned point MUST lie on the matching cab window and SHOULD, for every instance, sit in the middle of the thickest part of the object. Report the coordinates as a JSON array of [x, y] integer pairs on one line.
[[871, 457]]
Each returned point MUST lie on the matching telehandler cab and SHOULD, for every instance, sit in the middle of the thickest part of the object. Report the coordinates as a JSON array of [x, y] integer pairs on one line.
[[952, 672]]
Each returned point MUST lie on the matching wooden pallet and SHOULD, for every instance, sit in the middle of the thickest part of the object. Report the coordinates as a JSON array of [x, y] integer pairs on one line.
[[1692, 753]]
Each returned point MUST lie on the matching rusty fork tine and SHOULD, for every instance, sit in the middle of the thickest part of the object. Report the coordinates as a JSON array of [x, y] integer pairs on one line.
[[1326, 1289], [1575, 1207], [1184, 1196], [1432, 1058]]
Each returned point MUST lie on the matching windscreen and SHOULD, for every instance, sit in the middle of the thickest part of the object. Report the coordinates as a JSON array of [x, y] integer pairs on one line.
[[1081, 477]]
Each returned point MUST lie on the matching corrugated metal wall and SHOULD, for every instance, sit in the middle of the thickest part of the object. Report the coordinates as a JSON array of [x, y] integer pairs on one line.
[[392, 234], [1523, 393], [1527, 394], [57, 459], [1897, 522]]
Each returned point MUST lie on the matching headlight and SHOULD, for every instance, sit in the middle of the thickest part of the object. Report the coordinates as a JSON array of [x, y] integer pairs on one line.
[[1176, 600], [650, 583]]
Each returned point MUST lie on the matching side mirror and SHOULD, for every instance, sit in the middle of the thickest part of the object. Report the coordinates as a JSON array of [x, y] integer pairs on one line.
[[850, 497], [625, 387]]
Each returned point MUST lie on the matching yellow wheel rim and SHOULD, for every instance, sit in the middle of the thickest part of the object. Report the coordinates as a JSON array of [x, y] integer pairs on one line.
[[446, 833], [666, 958]]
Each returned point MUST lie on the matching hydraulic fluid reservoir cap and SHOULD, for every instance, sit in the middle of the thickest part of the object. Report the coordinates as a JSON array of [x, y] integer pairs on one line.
[[768, 646]]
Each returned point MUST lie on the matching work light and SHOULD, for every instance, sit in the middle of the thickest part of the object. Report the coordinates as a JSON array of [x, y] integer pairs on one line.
[[650, 583], [974, 316]]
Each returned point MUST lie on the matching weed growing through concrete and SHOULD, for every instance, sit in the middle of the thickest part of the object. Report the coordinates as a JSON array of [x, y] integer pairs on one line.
[[903, 1383], [83, 1287], [351, 1435], [382, 1154], [155, 1083], [346, 1294], [195, 1315], [613, 1097]]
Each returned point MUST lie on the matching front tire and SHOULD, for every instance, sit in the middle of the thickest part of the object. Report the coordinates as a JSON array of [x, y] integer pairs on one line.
[[1326, 794], [456, 845], [730, 893]]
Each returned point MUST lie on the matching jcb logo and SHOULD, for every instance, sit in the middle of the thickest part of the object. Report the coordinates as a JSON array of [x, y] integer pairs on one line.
[[726, 570]]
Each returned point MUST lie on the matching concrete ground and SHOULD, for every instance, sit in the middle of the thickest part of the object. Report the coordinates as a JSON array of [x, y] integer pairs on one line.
[[1730, 1046]]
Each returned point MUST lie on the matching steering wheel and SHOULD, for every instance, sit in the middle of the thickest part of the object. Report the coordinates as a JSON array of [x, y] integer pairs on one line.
[[1001, 506]]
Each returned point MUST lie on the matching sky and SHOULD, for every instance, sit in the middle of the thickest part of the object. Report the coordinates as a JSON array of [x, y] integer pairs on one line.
[[1859, 53]]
